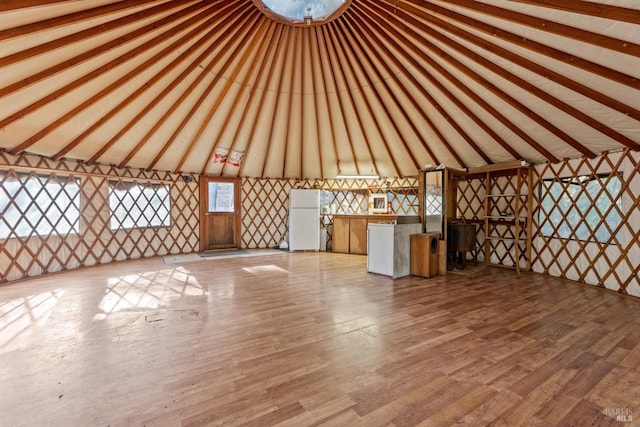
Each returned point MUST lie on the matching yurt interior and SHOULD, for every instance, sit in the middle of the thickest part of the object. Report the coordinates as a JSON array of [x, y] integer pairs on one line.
[[306, 212]]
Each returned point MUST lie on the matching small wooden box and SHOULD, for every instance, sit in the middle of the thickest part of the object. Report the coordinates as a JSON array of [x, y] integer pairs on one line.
[[424, 254]]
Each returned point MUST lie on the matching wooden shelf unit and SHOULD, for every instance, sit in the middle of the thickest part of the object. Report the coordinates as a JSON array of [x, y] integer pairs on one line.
[[511, 210]]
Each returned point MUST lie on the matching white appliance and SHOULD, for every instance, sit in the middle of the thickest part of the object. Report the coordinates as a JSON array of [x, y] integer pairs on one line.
[[389, 248], [304, 220]]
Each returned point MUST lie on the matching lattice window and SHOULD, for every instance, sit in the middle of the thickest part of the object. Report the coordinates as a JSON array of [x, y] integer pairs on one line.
[[587, 207], [139, 205], [93, 242], [38, 205]]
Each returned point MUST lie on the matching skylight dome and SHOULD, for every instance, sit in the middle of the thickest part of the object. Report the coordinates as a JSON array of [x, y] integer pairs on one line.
[[303, 12]]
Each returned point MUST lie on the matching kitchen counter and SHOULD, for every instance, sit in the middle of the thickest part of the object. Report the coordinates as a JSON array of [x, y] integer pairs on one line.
[[400, 219], [350, 230]]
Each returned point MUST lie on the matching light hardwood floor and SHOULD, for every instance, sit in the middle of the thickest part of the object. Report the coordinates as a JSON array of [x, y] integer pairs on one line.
[[312, 339]]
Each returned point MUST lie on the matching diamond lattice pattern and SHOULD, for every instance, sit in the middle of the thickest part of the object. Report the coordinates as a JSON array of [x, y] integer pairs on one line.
[[55, 215]]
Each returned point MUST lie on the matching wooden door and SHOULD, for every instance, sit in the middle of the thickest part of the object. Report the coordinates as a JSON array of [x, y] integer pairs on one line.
[[358, 236], [219, 213]]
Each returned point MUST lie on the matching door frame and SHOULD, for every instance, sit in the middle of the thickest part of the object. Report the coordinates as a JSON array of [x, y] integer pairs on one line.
[[204, 210]]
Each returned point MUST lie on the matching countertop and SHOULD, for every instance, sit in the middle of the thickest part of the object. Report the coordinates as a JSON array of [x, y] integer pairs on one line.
[[401, 219]]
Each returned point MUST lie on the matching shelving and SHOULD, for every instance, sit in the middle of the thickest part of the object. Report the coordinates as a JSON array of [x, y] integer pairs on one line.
[[507, 218]]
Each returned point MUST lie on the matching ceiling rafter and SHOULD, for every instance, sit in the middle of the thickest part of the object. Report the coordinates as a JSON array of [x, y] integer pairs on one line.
[[289, 52], [316, 98], [331, 56], [605, 11], [501, 94], [303, 72], [71, 18], [585, 36], [513, 78], [277, 41], [286, 42], [88, 33], [8, 5], [547, 51], [397, 102], [456, 82], [230, 81], [229, 12], [370, 83], [410, 97], [219, 74], [460, 105], [122, 80], [259, 58], [285, 153], [323, 90], [251, 83], [78, 59], [394, 84], [347, 102], [142, 89], [338, 42]]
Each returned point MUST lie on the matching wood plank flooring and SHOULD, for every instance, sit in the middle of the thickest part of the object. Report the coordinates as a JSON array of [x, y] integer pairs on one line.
[[313, 339]]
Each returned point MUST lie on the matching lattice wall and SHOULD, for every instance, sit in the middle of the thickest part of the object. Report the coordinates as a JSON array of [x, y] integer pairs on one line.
[[92, 241], [502, 232], [265, 201], [613, 263], [470, 207]]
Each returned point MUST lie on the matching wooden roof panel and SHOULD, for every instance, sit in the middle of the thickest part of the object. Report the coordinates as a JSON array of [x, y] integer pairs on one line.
[[388, 86]]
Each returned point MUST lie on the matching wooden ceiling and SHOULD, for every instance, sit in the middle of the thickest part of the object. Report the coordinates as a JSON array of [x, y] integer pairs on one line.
[[387, 87]]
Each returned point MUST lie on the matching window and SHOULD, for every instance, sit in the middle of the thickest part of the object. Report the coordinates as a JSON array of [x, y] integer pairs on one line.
[[221, 195], [303, 10], [41, 205], [587, 208], [139, 205]]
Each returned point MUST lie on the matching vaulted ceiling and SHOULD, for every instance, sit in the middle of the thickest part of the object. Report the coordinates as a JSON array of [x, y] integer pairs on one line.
[[385, 86]]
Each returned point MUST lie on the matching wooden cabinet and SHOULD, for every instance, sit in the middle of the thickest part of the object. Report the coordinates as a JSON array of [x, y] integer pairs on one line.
[[358, 235], [341, 234], [350, 231], [350, 234]]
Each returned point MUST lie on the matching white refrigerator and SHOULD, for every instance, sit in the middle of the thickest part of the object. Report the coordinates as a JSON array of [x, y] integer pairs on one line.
[[304, 220]]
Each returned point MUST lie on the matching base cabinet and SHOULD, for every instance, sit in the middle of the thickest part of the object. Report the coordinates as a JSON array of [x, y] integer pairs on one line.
[[341, 235], [358, 236], [350, 231]]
